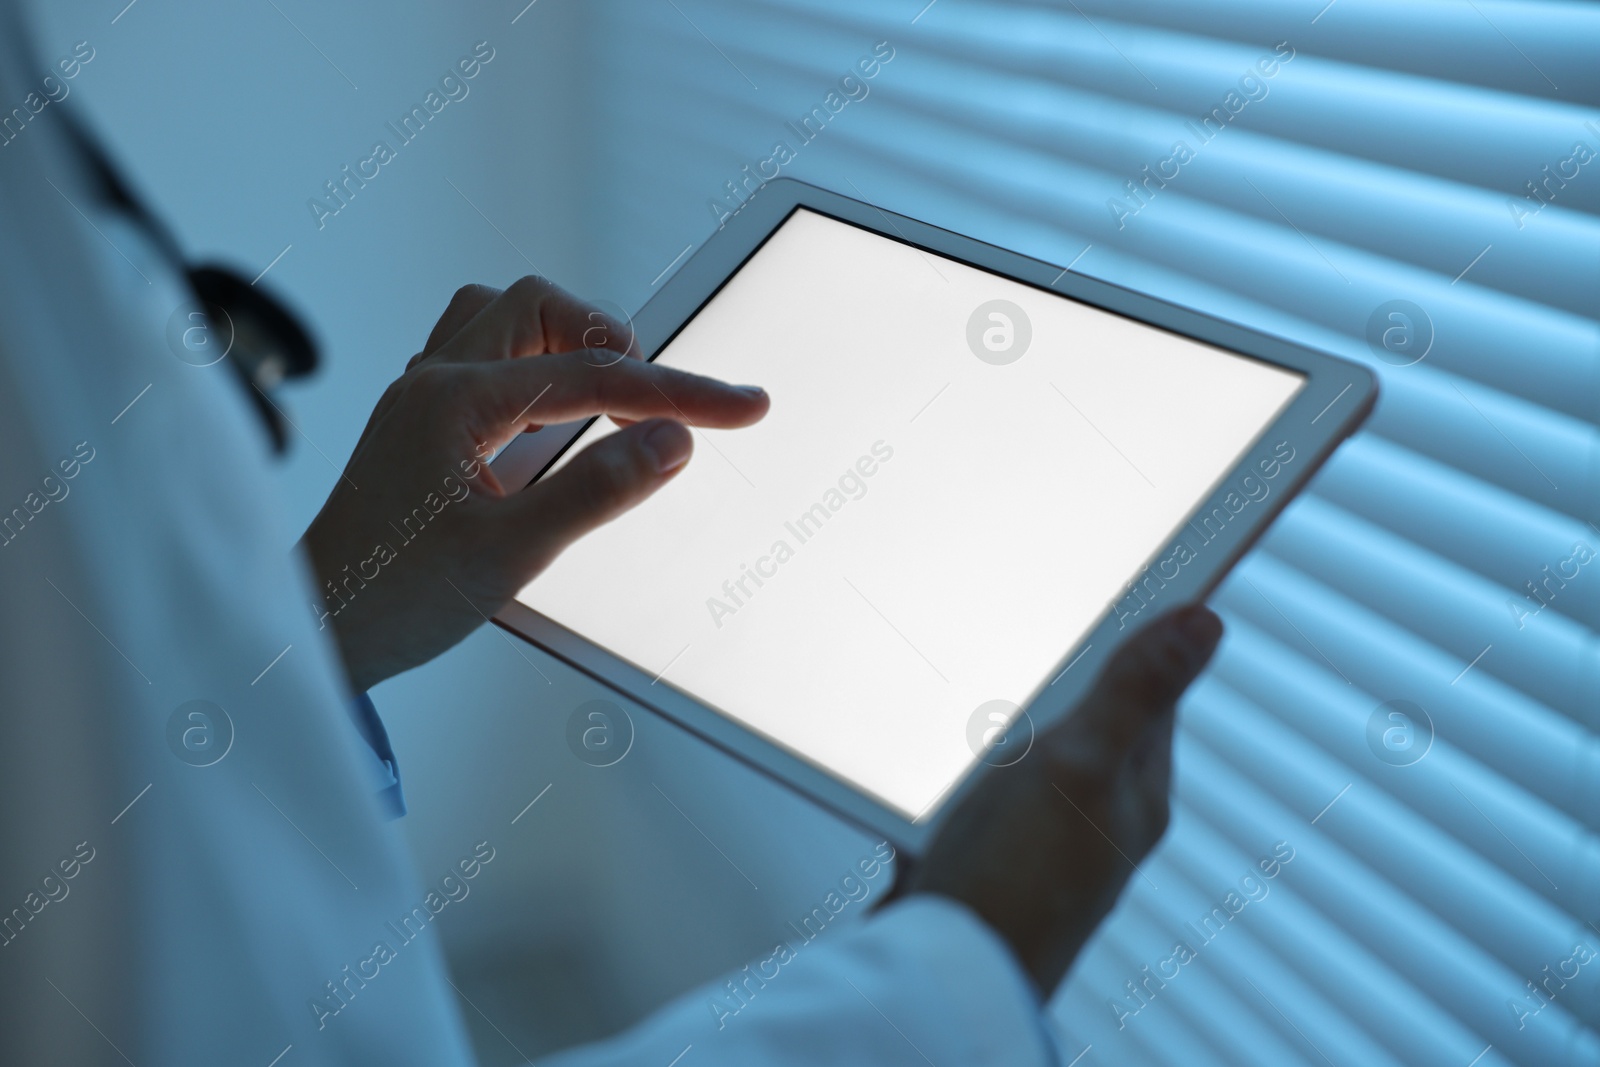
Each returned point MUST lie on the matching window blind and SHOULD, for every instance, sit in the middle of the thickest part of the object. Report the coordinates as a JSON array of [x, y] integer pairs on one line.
[[1446, 155]]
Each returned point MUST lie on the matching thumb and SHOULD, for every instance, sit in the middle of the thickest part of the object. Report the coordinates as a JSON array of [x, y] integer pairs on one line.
[[610, 477], [1147, 675]]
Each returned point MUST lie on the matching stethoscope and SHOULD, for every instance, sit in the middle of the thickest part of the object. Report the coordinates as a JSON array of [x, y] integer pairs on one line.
[[257, 335]]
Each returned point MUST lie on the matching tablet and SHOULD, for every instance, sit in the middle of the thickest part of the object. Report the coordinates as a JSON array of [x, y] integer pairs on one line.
[[980, 472]]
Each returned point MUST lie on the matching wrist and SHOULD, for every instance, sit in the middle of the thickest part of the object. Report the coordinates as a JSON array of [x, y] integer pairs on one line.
[[1041, 941], [337, 615]]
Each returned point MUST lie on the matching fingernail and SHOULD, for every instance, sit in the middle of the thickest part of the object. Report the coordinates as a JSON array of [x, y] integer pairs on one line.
[[668, 445], [751, 390]]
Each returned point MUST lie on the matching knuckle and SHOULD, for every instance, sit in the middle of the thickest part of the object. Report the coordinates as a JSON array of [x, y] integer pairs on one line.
[[605, 332], [605, 385], [596, 349], [428, 376], [527, 297], [466, 301], [530, 287], [435, 383]]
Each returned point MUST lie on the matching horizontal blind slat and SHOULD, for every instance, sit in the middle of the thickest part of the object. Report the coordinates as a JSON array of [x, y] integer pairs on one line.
[[1464, 981], [1536, 751], [1422, 852], [1548, 655], [1398, 1013], [1502, 536], [1395, 167]]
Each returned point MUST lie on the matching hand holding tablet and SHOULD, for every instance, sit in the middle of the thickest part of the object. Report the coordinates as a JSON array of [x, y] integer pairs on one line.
[[979, 475], [977, 480], [1041, 850]]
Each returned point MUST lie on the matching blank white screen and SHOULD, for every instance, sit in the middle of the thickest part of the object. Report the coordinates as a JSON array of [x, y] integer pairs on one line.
[[1015, 503]]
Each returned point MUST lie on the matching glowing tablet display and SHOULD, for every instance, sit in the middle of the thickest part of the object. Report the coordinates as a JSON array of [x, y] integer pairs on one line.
[[958, 474]]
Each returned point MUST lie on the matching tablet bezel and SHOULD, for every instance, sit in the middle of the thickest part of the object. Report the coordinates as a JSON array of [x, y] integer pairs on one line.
[[1336, 397]]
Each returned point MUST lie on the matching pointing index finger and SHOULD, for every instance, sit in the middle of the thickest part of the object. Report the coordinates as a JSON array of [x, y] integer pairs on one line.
[[569, 386]]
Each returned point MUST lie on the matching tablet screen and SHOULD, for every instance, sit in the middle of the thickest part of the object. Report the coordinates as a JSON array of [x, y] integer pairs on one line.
[[958, 475]]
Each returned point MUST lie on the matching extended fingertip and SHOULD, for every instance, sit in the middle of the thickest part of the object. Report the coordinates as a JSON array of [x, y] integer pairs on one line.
[[668, 445]]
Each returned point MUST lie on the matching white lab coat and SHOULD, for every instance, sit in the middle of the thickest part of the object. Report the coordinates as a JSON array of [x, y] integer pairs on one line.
[[209, 910]]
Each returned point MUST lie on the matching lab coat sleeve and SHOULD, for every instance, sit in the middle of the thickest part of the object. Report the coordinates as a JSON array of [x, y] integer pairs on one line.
[[922, 982], [194, 864]]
